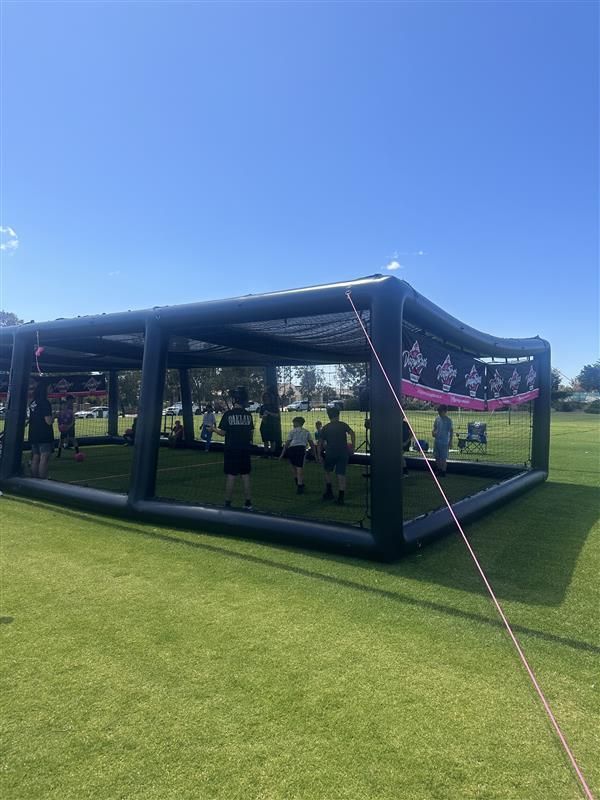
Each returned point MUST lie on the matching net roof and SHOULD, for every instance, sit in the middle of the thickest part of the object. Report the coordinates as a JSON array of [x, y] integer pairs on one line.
[[321, 339], [311, 325]]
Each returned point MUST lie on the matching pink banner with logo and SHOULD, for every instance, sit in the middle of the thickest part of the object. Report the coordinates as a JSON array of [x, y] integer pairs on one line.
[[435, 372], [512, 400], [439, 396]]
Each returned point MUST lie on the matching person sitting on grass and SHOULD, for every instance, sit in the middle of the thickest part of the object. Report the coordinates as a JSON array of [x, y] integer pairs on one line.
[[333, 441], [66, 427], [442, 433], [237, 427], [41, 433], [176, 435], [295, 448], [129, 434]]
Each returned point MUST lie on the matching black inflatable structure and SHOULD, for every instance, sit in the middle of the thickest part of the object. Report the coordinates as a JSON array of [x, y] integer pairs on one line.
[[314, 325]]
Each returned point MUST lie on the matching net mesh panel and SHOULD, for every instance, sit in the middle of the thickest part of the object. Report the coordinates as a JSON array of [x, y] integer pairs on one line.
[[320, 359], [105, 467], [196, 476], [508, 437]]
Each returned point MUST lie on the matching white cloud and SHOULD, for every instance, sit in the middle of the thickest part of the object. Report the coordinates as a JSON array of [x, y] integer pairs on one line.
[[114, 274], [394, 264], [9, 241]]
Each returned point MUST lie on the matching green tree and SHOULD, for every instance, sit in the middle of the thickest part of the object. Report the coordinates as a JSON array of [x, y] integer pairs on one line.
[[309, 381], [589, 377], [351, 377], [327, 392], [556, 379], [286, 390], [172, 391], [129, 388], [8, 318]]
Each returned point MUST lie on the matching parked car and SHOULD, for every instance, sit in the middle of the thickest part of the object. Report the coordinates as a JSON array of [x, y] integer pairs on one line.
[[299, 405], [177, 409], [252, 407], [95, 412], [336, 404]]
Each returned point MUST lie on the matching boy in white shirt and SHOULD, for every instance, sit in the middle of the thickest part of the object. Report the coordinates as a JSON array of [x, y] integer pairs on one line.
[[295, 447], [208, 426]]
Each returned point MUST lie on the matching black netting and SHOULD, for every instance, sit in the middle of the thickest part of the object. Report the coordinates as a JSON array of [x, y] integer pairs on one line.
[[322, 363]]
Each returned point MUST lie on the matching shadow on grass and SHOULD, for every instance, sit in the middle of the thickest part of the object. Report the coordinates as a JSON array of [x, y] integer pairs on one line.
[[529, 549], [430, 569]]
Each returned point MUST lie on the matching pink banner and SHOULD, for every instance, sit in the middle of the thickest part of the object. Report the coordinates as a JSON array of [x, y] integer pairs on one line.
[[512, 400], [439, 396]]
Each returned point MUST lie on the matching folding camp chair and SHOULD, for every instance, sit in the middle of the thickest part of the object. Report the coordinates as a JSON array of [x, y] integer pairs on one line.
[[476, 439]]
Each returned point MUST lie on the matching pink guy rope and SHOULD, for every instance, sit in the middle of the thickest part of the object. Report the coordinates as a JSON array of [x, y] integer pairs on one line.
[[528, 669]]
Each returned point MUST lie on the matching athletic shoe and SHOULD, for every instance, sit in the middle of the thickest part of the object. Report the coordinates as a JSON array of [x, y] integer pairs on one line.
[[300, 488], [339, 501], [328, 495], [248, 505]]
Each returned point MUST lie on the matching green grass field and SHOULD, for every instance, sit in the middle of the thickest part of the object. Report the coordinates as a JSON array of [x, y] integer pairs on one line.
[[143, 662]]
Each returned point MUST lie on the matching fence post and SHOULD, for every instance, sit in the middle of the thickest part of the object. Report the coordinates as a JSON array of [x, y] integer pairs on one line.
[[186, 405], [147, 432], [113, 403], [18, 387], [386, 420]]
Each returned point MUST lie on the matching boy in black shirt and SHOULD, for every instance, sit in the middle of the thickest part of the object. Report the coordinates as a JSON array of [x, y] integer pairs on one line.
[[41, 433], [237, 427], [333, 440]]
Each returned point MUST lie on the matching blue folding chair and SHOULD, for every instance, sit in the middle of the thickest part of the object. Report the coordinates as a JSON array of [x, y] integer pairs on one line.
[[476, 439]]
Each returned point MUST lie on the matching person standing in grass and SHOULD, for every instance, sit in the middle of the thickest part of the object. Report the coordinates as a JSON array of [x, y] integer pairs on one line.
[[442, 433], [295, 448], [270, 422], [318, 429], [41, 432], [334, 442], [66, 428], [208, 425], [237, 427]]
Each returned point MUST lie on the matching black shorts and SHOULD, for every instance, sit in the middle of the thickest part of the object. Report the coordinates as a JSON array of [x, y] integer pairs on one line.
[[269, 429], [336, 463], [296, 455], [236, 461]]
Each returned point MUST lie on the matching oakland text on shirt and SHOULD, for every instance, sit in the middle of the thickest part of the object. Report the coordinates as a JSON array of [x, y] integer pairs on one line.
[[239, 419]]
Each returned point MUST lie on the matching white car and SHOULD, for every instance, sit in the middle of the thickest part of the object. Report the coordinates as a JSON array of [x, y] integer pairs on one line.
[[96, 412], [252, 407], [299, 405], [177, 410]]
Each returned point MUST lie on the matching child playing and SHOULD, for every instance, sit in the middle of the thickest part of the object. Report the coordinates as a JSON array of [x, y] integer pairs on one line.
[[66, 428], [237, 426], [318, 428], [333, 440], [208, 425], [442, 433], [297, 441]]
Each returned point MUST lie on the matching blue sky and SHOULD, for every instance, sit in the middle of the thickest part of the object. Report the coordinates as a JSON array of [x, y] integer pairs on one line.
[[159, 153]]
